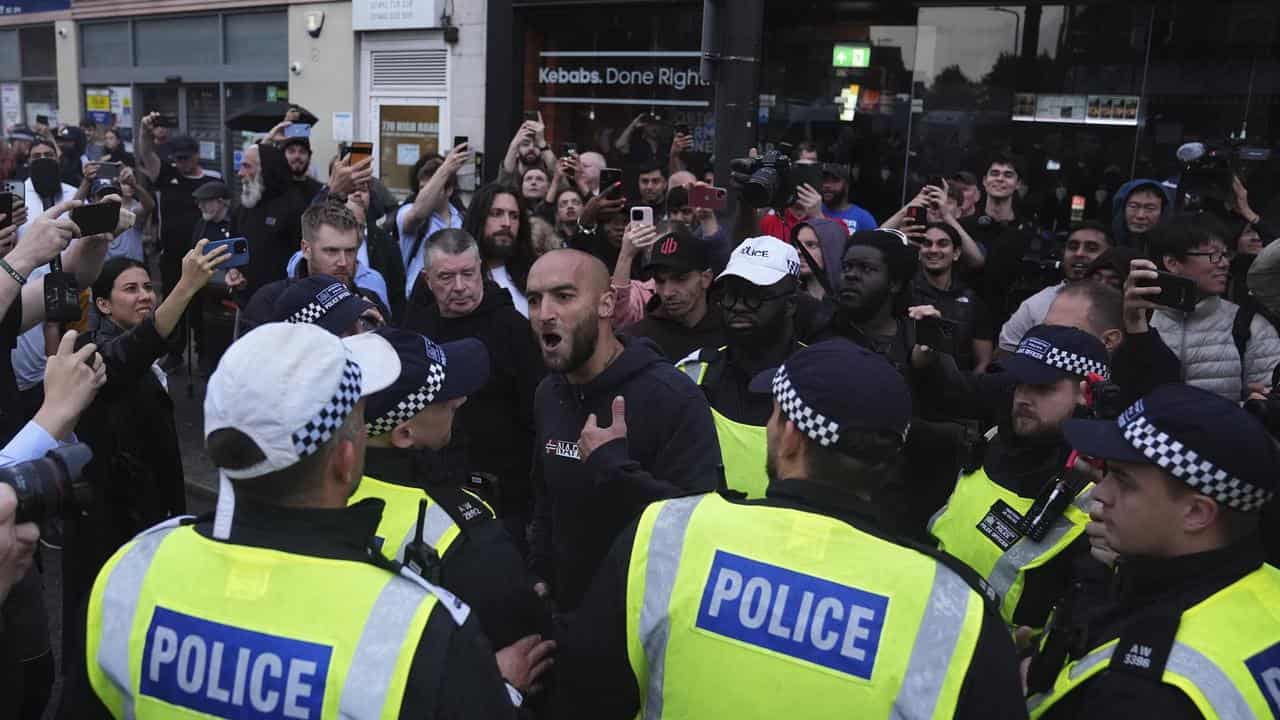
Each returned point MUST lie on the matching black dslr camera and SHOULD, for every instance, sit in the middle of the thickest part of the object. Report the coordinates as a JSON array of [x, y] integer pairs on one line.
[[46, 485], [765, 180]]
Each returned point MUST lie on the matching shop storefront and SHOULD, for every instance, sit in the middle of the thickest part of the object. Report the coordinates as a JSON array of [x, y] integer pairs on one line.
[[201, 68], [28, 75], [1087, 96]]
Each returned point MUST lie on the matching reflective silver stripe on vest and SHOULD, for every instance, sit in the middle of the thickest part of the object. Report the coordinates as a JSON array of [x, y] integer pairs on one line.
[[695, 369], [120, 604], [436, 522], [1222, 694], [386, 629], [1024, 552], [666, 544], [930, 662]]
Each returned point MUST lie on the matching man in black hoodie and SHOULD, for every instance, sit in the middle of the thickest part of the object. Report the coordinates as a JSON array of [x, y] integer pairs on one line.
[[494, 431], [591, 481]]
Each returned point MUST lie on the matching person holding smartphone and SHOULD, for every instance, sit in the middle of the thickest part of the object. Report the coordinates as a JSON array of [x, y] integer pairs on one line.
[[1217, 355], [528, 148], [175, 180]]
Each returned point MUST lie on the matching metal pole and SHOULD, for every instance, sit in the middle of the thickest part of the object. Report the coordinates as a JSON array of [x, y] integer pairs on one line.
[[737, 77]]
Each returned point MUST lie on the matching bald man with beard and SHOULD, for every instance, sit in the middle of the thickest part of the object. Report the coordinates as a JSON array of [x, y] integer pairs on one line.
[[617, 426]]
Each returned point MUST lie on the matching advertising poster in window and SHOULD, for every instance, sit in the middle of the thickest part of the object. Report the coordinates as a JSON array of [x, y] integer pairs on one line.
[[10, 104], [405, 133]]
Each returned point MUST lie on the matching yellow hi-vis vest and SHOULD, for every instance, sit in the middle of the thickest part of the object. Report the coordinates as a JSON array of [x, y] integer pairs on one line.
[[742, 446], [977, 527], [183, 626], [400, 517], [1225, 655], [740, 610]]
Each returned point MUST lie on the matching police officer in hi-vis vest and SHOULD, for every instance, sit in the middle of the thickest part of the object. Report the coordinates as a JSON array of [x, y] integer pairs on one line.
[[758, 299], [798, 604], [278, 608], [459, 543], [1192, 628], [1019, 519]]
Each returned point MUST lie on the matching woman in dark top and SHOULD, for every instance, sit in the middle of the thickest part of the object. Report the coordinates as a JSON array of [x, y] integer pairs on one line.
[[136, 472], [113, 149]]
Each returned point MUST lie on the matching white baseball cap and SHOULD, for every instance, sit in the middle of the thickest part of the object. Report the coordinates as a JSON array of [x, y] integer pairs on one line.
[[762, 261], [289, 386]]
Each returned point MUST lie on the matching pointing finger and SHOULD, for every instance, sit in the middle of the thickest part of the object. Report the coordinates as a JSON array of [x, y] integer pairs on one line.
[[68, 342]]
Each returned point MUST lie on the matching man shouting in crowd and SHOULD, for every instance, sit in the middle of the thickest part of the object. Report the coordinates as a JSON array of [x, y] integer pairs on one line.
[[617, 426]]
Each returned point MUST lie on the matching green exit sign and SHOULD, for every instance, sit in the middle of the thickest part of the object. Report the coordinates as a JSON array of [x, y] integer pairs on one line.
[[851, 56]]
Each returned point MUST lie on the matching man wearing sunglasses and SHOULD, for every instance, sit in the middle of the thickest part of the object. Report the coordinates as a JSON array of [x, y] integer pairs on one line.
[[757, 302], [1218, 353]]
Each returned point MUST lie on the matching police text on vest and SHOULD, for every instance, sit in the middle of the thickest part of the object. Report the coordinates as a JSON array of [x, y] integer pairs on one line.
[[797, 615], [228, 671], [1265, 668]]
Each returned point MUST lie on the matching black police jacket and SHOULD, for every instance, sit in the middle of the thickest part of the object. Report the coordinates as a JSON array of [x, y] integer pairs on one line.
[[467, 685], [483, 565], [1146, 587], [595, 679]]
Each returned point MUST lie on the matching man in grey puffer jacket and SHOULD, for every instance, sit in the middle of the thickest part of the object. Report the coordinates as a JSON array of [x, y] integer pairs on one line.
[[1193, 247]]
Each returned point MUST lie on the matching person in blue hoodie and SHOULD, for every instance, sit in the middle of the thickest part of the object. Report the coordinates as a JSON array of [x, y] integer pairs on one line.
[[1138, 206], [617, 426]]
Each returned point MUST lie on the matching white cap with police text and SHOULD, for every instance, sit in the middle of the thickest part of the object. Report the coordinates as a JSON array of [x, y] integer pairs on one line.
[[762, 261], [289, 387]]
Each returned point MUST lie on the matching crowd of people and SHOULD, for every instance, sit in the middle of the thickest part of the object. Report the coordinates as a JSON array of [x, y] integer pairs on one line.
[[602, 439]]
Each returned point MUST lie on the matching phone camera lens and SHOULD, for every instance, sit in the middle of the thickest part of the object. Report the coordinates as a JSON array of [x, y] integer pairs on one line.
[[240, 247]]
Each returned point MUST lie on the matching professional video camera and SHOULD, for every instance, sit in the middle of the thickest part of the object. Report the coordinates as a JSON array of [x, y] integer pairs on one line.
[[1207, 170], [766, 180], [46, 485]]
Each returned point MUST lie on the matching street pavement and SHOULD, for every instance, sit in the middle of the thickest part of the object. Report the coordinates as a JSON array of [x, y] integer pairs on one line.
[[202, 488]]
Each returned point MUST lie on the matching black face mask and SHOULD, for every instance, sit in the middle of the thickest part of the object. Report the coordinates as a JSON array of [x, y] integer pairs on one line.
[[45, 176]]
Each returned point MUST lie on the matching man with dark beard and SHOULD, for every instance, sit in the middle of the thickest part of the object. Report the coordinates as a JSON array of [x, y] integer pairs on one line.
[[268, 215], [1024, 463], [876, 270], [297, 152], [758, 299], [658, 441], [497, 219]]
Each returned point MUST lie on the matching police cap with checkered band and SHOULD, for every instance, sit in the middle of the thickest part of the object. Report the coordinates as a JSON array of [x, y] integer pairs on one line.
[[1204, 440], [429, 373], [1049, 353], [833, 387], [290, 386]]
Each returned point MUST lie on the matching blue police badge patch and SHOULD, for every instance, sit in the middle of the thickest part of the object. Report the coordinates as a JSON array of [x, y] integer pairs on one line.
[[1265, 667], [798, 615], [227, 671]]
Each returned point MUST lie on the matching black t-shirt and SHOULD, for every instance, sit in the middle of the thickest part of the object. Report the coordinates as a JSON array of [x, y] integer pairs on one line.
[[12, 415], [962, 305], [178, 210]]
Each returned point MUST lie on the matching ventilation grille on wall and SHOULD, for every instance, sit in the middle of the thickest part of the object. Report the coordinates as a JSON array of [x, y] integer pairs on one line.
[[409, 68]]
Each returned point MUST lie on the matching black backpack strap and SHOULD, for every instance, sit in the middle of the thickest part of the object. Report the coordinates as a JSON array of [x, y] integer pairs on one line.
[[1242, 331]]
